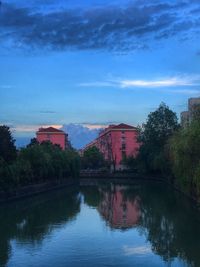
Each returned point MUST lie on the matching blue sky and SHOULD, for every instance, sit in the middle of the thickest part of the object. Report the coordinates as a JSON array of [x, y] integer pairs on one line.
[[95, 62]]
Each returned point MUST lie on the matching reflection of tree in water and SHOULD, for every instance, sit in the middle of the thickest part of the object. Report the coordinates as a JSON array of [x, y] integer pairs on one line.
[[170, 224], [167, 219], [33, 219], [92, 195]]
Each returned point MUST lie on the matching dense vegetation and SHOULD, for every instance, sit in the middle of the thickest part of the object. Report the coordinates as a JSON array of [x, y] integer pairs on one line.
[[34, 164], [169, 150], [92, 159], [154, 135], [185, 158]]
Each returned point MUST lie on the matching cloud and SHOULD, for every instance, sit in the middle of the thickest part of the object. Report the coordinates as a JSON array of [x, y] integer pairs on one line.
[[108, 27], [196, 10], [141, 250], [94, 126], [170, 82], [168, 85], [80, 134], [31, 128]]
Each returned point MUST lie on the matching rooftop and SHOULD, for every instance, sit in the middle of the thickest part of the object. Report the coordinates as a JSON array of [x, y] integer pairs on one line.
[[49, 130], [122, 126]]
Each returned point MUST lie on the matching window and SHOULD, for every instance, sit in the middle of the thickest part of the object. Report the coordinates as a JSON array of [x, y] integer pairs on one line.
[[123, 146]]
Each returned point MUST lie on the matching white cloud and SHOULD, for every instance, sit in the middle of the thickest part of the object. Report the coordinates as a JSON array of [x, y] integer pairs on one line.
[[154, 84], [170, 82], [95, 126], [136, 250], [31, 128]]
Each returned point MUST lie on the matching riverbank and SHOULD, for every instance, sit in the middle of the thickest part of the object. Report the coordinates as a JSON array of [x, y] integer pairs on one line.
[[116, 175], [96, 177], [31, 190], [93, 178], [86, 178]]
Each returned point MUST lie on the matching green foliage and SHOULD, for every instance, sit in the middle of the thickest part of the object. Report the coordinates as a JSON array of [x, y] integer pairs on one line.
[[33, 141], [131, 163], [92, 159], [38, 163], [184, 148], [7, 144], [153, 136]]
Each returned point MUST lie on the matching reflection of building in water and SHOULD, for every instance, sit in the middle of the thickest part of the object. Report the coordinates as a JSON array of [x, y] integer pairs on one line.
[[119, 211]]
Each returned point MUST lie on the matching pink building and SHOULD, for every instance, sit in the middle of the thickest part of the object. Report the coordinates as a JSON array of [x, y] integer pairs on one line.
[[117, 142], [119, 211], [55, 136]]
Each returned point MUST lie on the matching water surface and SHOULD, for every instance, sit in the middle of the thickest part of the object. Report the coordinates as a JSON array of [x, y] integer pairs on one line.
[[144, 224]]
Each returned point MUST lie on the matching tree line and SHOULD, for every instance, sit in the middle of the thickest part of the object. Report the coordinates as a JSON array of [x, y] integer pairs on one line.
[[35, 163], [169, 150]]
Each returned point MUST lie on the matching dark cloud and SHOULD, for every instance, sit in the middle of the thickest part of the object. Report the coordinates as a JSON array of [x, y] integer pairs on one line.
[[110, 27], [196, 10]]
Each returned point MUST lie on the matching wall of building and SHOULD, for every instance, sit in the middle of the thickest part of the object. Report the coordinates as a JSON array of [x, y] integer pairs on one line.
[[124, 144], [117, 144], [193, 109], [54, 138]]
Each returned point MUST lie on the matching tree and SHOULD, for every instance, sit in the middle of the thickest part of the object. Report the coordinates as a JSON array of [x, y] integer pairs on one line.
[[184, 150], [153, 136], [131, 163], [106, 143], [93, 158], [33, 142], [7, 144]]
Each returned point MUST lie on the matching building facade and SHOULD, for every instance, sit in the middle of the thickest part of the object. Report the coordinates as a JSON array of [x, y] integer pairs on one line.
[[116, 143], [53, 135], [193, 109]]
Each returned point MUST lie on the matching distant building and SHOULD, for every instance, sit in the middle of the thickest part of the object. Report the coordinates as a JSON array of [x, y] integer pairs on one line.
[[55, 136], [185, 118], [116, 143], [193, 109]]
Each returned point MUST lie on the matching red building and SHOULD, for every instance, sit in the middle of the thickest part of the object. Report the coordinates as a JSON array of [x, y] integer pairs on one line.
[[55, 136], [117, 142]]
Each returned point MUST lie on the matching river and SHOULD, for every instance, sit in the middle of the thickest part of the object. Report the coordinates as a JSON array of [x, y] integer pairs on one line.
[[143, 224]]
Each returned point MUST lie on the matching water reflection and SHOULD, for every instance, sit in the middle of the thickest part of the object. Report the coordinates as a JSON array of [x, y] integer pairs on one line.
[[31, 220], [166, 223], [119, 210], [166, 218]]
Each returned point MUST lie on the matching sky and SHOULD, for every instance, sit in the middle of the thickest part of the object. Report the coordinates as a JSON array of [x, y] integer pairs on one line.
[[95, 62]]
